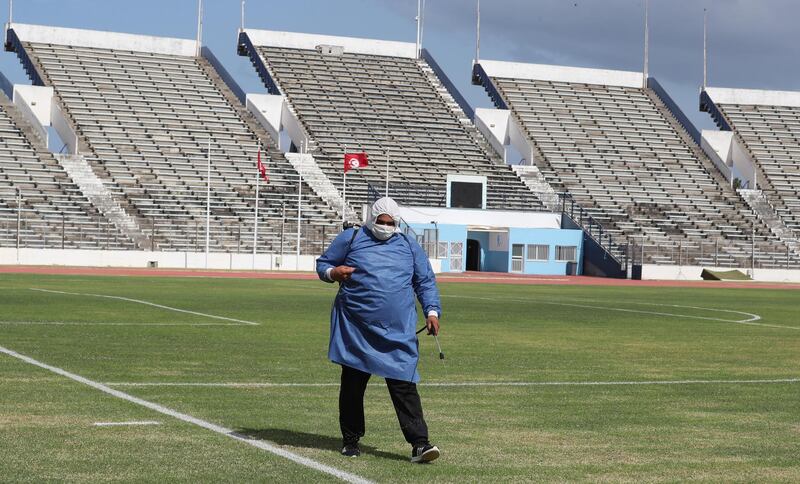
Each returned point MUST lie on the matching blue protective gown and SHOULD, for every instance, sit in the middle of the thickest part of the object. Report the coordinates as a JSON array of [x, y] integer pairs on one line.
[[374, 315]]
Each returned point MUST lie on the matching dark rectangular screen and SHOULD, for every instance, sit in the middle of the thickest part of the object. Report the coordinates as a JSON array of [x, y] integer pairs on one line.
[[466, 195]]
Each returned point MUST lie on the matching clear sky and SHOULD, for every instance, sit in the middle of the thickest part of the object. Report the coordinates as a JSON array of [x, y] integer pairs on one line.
[[753, 43]]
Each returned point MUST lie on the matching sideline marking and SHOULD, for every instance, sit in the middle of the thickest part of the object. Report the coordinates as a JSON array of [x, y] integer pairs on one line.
[[750, 321], [261, 444], [147, 303], [119, 424], [87, 323], [464, 384]]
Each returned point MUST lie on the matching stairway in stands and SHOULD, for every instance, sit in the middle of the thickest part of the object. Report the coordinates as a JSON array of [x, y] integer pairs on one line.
[[758, 201], [92, 188]]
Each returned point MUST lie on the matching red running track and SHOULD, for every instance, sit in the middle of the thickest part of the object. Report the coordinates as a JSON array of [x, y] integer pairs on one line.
[[466, 277]]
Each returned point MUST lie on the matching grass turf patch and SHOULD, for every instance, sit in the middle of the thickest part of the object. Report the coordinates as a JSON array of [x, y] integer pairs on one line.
[[491, 333]]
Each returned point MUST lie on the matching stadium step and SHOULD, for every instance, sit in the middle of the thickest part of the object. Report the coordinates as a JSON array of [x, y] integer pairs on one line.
[[758, 201], [92, 187], [313, 175], [533, 179]]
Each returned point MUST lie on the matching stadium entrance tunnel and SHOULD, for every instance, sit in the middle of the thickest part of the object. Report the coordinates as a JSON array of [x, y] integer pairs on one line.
[[473, 255]]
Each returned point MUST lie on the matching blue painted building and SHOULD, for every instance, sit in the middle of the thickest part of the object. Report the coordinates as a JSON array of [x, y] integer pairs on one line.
[[496, 241]]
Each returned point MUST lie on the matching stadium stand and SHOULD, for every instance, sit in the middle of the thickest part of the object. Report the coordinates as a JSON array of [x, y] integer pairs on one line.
[[626, 154], [377, 96], [52, 211], [144, 110], [767, 125]]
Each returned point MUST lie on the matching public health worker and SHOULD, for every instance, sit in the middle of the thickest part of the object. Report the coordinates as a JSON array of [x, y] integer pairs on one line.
[[373, 322]]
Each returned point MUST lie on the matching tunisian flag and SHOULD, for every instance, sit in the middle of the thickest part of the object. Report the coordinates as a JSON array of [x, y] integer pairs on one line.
[[262, 169], [354, 161]]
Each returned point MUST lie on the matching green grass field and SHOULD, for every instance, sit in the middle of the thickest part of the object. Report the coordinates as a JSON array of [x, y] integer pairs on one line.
[[719, 413]]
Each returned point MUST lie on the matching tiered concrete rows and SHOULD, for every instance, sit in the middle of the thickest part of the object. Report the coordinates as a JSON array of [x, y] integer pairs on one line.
[[772, 135], [52, 211], [146, 120], [622, 159], [387, 107]]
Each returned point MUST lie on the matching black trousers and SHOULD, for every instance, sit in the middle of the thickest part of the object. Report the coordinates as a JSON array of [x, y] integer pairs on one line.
[[404, 397]]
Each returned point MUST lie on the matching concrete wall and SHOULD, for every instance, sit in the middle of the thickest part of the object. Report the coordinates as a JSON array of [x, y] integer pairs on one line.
[[294, 40], [579, 75], [692, 273], [171, 260], [551, 238], [104, 40]]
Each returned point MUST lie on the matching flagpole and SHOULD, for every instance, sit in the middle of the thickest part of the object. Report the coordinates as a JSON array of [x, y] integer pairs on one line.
[[646, 42], [344, 189], [387, 172], [255, 216], [208, 202], [299, 211]]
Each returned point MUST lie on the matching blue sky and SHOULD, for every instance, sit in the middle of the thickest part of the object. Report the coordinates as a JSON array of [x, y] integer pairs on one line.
[[752, 42]]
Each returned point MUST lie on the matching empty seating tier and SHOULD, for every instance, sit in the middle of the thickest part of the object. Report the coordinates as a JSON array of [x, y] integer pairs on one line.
[[388, 107], [146, 120], [771, 135], [40, 206], [622, 155]]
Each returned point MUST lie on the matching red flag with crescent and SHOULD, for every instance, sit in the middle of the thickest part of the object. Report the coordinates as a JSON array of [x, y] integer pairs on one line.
[[353, 161]]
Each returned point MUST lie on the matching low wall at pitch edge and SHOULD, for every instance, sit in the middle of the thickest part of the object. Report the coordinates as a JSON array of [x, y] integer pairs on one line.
[[164, 260], [692, 273], [168, 260]]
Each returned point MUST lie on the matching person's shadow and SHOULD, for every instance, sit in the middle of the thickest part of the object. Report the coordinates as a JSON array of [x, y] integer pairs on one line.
[[314, 441]]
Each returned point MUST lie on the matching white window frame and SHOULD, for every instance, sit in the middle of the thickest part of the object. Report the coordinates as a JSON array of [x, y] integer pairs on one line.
[[532, 255], [561, 248], [468, 179]]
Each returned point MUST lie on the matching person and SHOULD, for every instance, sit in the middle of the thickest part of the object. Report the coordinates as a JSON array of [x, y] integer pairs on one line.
[[373, 322]]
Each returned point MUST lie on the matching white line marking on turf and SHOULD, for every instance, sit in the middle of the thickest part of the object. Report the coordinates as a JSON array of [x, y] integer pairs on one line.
[[261, 444], [147, 303], [750, 321], [88, 323], [462, 384], [120, 424]]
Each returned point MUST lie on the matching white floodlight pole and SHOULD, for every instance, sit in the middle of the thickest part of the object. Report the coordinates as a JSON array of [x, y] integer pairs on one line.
[[208, 202], [646, 41], [705, 48], [255, 214], [419, 25], [422, 27], [199, 26], [10, 11], [242, 14], [478, 33]]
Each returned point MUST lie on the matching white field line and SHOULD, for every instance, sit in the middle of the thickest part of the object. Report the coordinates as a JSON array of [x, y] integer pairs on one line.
[[462, 384], [147, 303], [121, 424], [88, 323], [749, 321], [261, 444]]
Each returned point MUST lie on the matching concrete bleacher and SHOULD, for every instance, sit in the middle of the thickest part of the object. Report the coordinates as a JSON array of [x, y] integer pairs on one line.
[[144, 110], [767, 124], [379, 97], [52, 211], [617, 148]]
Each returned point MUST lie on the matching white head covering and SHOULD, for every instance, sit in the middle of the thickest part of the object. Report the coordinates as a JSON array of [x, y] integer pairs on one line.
[[383, 206]]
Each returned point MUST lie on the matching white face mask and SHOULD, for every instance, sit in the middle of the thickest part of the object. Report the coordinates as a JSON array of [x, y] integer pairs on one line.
[[382, 232]]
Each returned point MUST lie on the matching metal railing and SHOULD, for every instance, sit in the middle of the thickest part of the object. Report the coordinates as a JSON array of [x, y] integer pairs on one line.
[[594, 229]]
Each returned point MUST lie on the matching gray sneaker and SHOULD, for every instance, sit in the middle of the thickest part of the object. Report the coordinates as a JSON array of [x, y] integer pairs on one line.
[[424, 453]]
